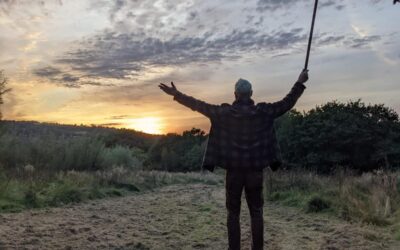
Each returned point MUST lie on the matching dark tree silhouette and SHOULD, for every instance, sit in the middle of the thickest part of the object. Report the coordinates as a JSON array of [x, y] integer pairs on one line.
[[3, 88], [354, 135]]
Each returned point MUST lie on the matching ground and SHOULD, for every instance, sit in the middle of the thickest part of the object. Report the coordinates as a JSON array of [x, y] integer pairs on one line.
[[178, 217]]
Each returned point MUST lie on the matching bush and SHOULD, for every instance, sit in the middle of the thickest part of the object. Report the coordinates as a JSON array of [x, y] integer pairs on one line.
[[119, 156], [358, 136], [175, 152], [370, 198], [317, 204], [64, 192]]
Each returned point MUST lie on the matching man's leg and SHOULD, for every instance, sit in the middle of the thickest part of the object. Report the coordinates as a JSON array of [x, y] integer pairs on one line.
[[255, 202], [233, 186]]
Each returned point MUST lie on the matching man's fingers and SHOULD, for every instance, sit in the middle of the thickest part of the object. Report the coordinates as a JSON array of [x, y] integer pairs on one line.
[[173, 85], [163, 87]]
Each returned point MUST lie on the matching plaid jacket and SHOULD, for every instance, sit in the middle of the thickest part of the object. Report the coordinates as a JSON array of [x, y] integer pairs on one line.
[[242, 135]]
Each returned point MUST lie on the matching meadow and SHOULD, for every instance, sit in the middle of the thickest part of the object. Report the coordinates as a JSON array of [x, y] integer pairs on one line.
[[340, 161]]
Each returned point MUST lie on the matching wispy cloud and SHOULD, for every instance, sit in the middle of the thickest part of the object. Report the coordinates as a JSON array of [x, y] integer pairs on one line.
[[56, 75], [117, 55]]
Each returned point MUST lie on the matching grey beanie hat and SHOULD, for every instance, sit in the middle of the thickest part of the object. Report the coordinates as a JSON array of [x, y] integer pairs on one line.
[[243, 86]]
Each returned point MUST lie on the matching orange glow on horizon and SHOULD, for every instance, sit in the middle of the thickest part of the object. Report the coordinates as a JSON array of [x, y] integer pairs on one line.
[[150, 125]]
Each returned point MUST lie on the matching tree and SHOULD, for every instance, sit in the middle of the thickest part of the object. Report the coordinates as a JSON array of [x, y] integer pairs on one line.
[[3, 88], [174, 152], [354, 135]]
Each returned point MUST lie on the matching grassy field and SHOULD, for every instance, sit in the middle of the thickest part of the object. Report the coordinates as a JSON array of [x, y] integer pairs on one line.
[[189, 216], [370, 198], [34, 190], [162, 210]]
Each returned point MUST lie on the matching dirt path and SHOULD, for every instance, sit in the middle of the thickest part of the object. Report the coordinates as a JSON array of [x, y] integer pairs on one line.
[[177, 217]]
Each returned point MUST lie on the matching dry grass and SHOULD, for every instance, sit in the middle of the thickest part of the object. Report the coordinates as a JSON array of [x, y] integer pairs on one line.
[[370, 197], [34, 190]]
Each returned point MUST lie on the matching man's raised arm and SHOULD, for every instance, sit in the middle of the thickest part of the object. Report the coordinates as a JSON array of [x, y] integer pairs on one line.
[[279, 108], [204, 108]]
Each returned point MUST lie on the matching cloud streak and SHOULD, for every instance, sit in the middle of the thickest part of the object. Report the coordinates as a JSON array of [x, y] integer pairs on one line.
[[122, 56]]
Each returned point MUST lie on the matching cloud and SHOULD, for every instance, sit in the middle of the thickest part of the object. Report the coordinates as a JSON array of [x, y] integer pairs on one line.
[[272, 5], [362, 42], [69, 78], [118, 117], [65, 79], [47, 71], [115, 55], [111, 124], [119, 55], [349, 41], [131, 45], [330, 39]]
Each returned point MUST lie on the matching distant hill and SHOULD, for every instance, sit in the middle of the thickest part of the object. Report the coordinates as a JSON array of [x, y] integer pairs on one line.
[[111, 136]]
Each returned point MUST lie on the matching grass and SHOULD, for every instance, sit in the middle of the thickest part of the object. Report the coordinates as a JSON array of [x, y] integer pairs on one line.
[[31, 191], [371, 198]]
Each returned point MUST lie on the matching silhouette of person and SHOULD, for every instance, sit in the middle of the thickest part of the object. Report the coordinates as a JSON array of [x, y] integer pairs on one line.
[[242, 140]]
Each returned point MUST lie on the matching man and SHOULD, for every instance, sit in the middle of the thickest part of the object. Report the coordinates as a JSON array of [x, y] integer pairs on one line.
[[242, 141]]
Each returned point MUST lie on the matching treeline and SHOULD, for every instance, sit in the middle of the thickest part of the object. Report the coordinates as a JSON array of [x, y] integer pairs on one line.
[[335, 135], [175, 152], [52, 147], [351, 135]]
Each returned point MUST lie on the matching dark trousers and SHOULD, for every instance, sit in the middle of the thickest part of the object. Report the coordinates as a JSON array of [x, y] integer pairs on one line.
[[252, 182]]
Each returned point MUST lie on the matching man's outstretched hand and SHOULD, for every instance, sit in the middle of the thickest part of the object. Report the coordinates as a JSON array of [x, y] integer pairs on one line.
[[169, 90], [303, 77]]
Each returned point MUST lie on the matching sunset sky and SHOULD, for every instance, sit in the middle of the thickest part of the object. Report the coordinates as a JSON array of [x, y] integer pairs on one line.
[[99, 62]]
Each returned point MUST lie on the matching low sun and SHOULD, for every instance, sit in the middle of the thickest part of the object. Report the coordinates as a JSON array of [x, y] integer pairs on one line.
[[150, 125]]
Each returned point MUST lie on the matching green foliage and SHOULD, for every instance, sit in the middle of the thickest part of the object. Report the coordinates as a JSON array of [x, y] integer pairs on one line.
[[49, 153], [317, 204], [354, 135], [371, 198], [63, 192], [17, 194], [51, 148], [119, 156], [178, 152]]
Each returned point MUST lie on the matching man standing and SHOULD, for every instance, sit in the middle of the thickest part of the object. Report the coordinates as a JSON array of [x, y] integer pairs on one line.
[[242, 141]]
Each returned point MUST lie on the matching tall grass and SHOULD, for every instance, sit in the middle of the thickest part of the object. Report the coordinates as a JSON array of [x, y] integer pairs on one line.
[[29, 190], [370, 197]]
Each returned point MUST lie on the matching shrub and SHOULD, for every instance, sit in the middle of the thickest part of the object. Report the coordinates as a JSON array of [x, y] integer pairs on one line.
[[31, 199], [317, 204], [119, 156], [370, 197], [358, 136]]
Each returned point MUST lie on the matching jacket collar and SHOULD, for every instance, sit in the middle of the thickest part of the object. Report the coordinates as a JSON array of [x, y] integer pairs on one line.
[[243, 102]]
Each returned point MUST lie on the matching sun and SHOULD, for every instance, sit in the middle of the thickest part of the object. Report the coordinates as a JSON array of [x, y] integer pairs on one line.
[[150, 125]]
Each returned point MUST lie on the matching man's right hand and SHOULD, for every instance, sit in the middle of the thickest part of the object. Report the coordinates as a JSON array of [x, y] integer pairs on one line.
[[303, 77], [169, 90]]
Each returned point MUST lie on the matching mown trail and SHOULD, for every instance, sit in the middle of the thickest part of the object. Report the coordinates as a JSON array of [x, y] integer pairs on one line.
[[177, 217]]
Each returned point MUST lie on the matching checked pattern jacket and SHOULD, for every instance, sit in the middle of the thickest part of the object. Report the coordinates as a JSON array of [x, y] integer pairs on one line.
[[242, 135]]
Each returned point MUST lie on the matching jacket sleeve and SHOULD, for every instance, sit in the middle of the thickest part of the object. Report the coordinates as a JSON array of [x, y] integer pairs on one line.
[[279, 108], [202, 107]]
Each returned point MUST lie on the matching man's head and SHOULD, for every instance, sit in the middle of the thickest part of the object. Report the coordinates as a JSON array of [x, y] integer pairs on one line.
[[243, 90]]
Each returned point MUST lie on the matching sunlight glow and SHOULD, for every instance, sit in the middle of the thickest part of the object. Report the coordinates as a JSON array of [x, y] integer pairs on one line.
[[151, 125]]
